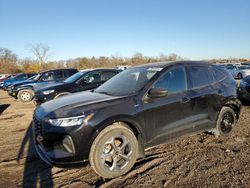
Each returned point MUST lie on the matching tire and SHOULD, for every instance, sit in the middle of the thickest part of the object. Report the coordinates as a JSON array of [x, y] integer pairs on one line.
[[226, 121], [61, 94], [114, 151], [239, 75], [25, 95]]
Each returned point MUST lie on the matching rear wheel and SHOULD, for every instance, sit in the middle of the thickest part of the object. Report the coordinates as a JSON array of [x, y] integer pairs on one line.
[[114, 151], [226, 121], [25, 95]]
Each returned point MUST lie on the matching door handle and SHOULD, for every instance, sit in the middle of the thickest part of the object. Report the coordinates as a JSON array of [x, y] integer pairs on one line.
[[185, 100]]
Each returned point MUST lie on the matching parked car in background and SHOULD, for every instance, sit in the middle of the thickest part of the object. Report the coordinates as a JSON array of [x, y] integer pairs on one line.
[[18, 77], [244, 89], [24, 91], [238, 71], [140, 107], [4, 77], [122, 67], [81, 81], [245, 63]]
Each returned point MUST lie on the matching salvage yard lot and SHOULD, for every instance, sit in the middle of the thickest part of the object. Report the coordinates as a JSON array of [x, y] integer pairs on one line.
[[198, 160]]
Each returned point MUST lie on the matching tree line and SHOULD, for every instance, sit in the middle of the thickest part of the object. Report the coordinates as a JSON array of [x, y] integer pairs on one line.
[[10, 63]]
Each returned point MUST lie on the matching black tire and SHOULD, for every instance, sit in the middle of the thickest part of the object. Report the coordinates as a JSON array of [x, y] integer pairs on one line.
[[114, 151], [61, 94], [25, 95], [239, 76], [226, 121]]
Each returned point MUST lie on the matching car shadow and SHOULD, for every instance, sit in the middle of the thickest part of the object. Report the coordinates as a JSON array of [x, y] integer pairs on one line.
[[36, 173], [3, 107]]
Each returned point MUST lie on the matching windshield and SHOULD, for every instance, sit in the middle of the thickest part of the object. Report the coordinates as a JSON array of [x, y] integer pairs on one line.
[[128, 82], [75, 77]]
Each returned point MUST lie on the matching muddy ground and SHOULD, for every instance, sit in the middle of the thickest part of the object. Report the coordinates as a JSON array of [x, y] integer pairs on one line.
[[193, 161]]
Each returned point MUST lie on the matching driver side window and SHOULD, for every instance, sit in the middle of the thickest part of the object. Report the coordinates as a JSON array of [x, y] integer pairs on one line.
[[48, 76], [174, 81], [92, 77]]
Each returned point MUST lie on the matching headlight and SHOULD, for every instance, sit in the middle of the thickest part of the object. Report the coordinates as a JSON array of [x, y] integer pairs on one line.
[[47, 92], [71, 121]]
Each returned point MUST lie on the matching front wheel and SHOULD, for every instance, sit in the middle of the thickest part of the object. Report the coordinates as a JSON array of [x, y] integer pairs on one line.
[[226, 121], [25, 95], [114, 151]]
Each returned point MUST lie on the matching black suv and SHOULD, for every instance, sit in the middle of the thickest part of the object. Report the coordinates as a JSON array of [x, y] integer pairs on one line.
[[139, 108], [24, 91], [81, 81]]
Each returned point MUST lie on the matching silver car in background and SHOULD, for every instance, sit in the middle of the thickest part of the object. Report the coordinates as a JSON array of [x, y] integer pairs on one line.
[[238, 71]]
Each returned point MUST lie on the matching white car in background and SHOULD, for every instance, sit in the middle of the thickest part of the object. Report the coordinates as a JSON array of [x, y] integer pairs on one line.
[[238, 71], [123, 67]]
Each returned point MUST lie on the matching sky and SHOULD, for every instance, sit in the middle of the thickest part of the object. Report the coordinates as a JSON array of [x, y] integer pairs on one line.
[[193, 29]]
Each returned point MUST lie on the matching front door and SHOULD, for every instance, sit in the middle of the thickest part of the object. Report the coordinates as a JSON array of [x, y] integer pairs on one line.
[[172, 114]]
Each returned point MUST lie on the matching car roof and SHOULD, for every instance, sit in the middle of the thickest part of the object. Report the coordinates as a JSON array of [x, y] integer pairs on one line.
[[98, 69], [168, 63], [58, 69]]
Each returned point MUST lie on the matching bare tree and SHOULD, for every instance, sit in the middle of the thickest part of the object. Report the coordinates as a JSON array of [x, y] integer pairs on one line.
[[8, 61], [42, 52]]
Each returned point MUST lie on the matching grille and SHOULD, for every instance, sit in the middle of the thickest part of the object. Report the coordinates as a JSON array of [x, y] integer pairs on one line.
[[37, 127], [248, 89]]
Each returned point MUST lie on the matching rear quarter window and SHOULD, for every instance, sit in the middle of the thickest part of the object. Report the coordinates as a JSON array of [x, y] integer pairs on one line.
[[218, 73], [199, 76]]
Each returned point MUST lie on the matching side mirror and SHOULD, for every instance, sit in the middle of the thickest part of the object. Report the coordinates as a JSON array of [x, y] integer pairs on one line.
[[157, 92]]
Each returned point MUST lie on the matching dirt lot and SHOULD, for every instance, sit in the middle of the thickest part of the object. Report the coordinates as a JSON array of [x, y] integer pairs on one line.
[[194, 161]]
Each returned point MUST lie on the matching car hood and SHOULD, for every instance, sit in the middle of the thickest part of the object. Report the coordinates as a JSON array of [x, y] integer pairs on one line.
[[17, 83], [76, 104]]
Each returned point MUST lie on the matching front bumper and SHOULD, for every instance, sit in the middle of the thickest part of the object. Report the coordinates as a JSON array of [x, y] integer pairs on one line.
[[62, 147], [11, 92]]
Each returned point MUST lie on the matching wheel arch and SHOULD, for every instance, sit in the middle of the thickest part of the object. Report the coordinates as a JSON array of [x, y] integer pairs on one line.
[[128, 121], [235, 104]]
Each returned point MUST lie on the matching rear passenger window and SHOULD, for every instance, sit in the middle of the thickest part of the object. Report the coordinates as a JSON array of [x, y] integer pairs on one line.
[[69, 72], [59, 75], [199, 76], [107, 75], [173, 81]]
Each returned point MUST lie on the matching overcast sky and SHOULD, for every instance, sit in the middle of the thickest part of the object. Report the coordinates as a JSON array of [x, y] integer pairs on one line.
[[194, 29]]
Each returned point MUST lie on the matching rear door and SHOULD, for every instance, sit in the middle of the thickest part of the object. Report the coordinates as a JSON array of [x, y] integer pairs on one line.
[[201, 92]]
